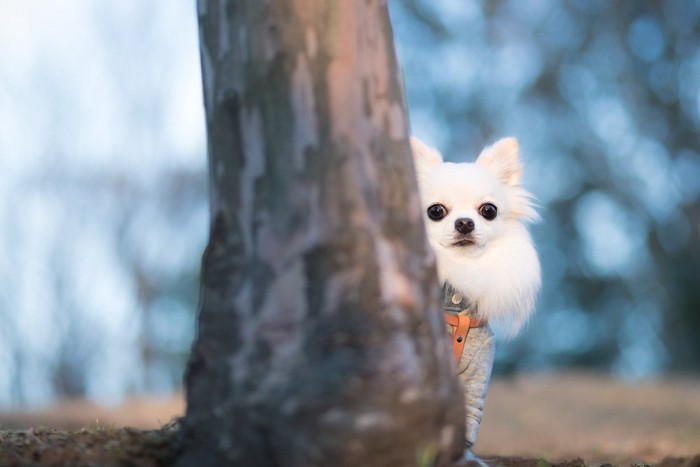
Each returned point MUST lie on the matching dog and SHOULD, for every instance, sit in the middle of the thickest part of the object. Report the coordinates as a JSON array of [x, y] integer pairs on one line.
[[476, 216]]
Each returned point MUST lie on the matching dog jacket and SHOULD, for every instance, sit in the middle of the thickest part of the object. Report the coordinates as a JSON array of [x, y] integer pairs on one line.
[[475, 363]]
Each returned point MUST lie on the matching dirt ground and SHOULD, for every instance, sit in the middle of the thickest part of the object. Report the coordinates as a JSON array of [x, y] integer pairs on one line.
[[594, 417], [104, 447], [534, 421]]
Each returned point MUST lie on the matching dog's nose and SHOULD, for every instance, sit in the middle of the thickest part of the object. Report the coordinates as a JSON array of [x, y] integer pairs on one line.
[[464, 225]]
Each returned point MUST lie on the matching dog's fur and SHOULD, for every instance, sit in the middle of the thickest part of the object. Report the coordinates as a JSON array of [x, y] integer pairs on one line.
[[495, 266]]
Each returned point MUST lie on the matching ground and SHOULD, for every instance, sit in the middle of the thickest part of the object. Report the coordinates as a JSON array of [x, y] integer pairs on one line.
[[530, 421], [104, 447]]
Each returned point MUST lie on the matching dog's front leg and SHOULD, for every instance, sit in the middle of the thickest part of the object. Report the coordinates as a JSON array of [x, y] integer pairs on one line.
[[474, 372]]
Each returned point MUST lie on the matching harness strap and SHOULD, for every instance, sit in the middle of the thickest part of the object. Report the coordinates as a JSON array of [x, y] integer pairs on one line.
[[461, 324]]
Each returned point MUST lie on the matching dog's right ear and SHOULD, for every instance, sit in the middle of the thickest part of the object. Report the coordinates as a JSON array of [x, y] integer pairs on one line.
[[424, 157]]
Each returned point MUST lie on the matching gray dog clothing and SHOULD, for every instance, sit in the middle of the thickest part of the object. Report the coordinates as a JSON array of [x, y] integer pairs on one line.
[[474, 366]]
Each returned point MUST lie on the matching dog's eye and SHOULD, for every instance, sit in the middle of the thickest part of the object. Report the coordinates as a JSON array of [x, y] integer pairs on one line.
[[437, 212], [488, 211]]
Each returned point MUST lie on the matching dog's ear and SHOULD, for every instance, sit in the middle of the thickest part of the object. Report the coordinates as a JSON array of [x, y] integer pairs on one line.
[[424, 157], [501, 159]]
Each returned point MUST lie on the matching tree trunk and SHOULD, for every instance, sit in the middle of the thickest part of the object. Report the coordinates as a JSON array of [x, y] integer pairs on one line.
[[319, 340]]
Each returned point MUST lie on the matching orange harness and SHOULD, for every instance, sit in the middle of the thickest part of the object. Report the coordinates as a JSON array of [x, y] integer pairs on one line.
[[461, 324]]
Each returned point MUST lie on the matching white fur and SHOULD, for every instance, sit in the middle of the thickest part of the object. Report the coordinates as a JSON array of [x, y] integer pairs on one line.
[[499, 272]]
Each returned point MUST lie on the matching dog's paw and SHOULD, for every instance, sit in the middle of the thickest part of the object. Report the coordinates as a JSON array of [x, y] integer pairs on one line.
[[472, 460]]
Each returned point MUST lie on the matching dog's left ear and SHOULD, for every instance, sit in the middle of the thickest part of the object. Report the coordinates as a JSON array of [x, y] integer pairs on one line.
[[424, 157], [501, 159]]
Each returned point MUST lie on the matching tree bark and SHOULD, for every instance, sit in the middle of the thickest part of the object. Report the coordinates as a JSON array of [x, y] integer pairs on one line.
[[319, 340]]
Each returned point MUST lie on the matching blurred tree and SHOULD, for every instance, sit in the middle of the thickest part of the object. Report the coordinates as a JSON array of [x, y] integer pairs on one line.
[[315, 343], [100, 267]]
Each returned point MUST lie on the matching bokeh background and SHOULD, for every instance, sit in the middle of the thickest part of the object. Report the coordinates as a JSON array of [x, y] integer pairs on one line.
[[103, 197]]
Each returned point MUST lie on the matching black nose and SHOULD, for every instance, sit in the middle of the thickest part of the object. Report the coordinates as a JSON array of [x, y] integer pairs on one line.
[[464, 225]]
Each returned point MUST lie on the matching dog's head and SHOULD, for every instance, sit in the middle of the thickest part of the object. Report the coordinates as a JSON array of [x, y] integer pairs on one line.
[[468, 205]]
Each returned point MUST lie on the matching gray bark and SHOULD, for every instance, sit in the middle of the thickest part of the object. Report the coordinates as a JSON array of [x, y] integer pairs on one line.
[[320, 340]]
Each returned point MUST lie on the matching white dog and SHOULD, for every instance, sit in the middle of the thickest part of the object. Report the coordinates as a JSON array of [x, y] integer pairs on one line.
[[475, 216]]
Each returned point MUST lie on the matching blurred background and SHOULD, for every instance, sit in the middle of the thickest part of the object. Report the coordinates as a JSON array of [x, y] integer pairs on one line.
[[103, 197]]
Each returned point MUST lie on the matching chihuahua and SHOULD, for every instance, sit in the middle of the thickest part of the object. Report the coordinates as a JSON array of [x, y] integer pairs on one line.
[[476, 217]]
